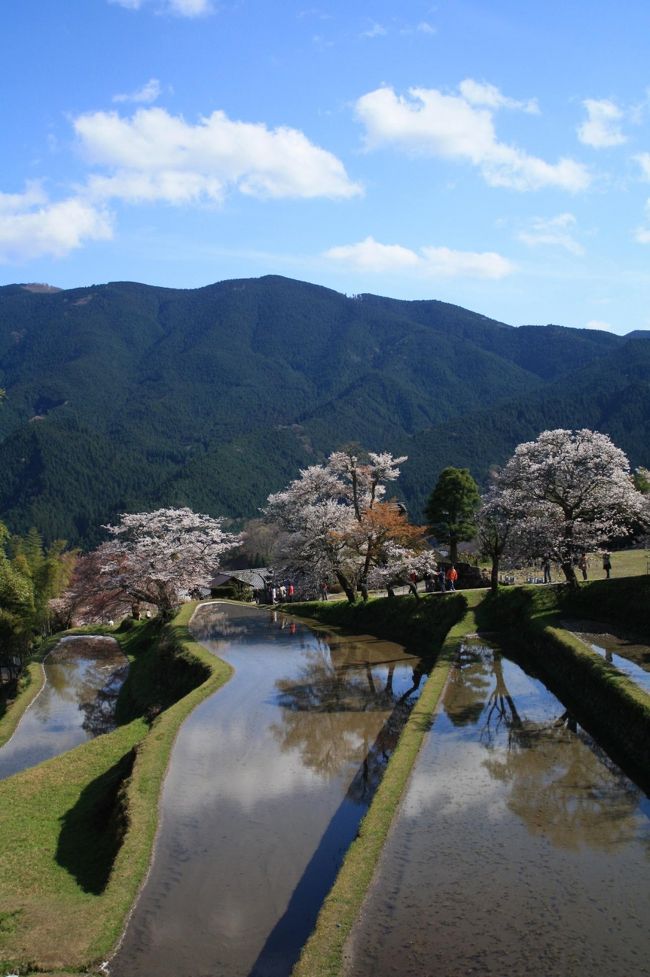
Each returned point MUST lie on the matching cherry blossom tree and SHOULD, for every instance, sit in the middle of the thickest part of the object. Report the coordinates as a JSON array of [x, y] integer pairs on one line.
[[570, 492], [157, 556], [397, 567], [499, 521], [333, 521]]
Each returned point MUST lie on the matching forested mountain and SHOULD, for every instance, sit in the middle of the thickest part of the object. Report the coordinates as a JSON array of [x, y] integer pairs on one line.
[[126, 396]]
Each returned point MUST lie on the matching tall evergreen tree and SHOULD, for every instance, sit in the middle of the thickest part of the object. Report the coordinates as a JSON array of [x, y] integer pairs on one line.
[[451, 508]]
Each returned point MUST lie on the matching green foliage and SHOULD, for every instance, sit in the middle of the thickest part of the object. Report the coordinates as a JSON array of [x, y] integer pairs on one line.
[[451, 508], [29, 577], [642, 480], [124, 397]]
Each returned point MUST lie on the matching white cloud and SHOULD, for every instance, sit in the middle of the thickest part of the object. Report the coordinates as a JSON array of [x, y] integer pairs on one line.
[[376, 30], [428, 122], [158, 156], [180, 8], [642, 233], [372, 256], [424, 27], [643, 159], [31, 226], [147, 94], [553, 231], [600, 325], [602, 126], [482, 93]]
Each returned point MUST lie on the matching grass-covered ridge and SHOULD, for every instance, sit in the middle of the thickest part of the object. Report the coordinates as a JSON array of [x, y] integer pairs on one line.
[[419, 625], [80, 827], [322, 955]]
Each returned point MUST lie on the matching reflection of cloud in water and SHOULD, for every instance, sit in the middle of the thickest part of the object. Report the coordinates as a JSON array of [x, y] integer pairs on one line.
[[237, 779]]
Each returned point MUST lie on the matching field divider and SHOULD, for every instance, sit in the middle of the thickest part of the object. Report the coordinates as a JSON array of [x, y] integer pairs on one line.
[[322, 955]]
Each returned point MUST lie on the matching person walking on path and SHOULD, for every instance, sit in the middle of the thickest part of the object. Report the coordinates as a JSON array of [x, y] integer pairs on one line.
[[607, 564], [452, 577]]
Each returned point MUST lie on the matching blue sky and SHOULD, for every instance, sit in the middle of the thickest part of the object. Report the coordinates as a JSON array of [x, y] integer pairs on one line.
[[491, 154]]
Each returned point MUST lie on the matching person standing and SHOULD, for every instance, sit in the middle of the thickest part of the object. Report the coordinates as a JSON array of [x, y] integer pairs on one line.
[[452, 577], [607, 564], [546, 567], [582, 565]]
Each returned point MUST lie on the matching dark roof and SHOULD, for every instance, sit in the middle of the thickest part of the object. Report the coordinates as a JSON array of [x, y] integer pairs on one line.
[[253, 578]]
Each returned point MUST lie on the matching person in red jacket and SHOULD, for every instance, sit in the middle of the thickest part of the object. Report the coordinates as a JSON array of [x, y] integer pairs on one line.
[[452, 577]]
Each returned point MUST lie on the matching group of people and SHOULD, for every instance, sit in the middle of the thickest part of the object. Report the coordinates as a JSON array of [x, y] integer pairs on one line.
[[280, 593], [441, 581], [581, 563]]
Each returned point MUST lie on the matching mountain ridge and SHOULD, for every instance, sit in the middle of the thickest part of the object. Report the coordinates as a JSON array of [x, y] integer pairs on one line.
[[125, 396]]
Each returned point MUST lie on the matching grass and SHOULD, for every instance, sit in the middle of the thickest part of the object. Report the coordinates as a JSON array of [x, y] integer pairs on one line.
[[625, 563], [322, 955], [79, 829]]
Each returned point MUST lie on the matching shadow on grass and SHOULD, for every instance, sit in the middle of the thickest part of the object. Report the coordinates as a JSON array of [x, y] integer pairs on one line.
[[160, 671], [92, 830]]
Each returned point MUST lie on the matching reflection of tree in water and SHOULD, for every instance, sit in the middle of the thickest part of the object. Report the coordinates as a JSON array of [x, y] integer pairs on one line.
[[330, 714], [467, 686], [76, 669], [100, 710], [214, 624], [559, 787]]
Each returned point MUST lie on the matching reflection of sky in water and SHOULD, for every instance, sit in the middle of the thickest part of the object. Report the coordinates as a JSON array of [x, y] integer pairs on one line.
[[628, 656], [62, 715], [267, 783], [525, 851]]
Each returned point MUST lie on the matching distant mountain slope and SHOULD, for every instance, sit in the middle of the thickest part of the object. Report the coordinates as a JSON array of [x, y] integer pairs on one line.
[[126, 396], [610, 395]]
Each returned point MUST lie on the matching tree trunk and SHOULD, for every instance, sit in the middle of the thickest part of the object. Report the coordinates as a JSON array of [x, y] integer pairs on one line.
[[453, 550], [570, 573], [346, 585], [494, 576]]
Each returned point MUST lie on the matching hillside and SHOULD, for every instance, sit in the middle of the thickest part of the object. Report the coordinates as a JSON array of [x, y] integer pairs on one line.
[[124, 396]]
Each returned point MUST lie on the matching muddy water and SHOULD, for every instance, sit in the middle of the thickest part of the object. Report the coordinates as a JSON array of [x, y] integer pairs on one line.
[[627, 655], [83, 675], [267, 783], [519, 850]]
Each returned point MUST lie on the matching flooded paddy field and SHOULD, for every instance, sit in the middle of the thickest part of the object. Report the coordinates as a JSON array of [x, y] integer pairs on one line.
[[268, 781], [520, 848], [627, 654], [83, 676]]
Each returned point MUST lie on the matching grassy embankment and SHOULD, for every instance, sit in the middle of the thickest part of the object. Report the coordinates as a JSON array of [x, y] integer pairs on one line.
[[423, 626], [78, 830]]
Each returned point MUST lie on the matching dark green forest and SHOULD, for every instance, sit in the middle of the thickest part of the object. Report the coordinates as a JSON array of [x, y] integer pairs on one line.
[[126, 396]]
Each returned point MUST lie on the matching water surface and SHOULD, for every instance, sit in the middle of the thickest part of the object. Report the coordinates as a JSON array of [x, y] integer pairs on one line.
[[628, 655], [520, 849], [267, 783], [83, 675]]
